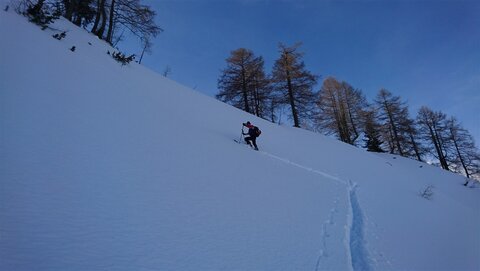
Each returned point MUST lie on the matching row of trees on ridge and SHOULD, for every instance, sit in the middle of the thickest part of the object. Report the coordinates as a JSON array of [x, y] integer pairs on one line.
[[338, 109]]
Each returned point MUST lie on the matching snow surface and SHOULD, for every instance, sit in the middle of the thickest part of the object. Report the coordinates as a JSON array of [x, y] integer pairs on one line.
[[104, 167]]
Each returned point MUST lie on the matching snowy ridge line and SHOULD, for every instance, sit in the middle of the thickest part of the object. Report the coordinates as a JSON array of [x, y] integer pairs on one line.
[[324, 174], [355, 244]]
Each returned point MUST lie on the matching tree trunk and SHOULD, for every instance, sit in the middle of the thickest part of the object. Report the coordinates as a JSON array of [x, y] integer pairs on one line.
[[391, 141], [394, 128], [336, 114], [459, 154], [78, 21], [272, 106], [110, 23], [143, 51], [100, 4], [244, 90], [69, 6], [291, 97], [292, 100], [256, 97], [435, 142], [415, 147], [443, 159], [354, 128], [343, 121], [101, 30]]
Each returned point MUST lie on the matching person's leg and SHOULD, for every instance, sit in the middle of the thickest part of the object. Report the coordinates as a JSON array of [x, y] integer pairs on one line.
[[247, 140], [254, 141]]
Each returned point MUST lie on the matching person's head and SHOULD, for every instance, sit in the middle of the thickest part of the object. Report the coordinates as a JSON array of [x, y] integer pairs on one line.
[[247, 124]]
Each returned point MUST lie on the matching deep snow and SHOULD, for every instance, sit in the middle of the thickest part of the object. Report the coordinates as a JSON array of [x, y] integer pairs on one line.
[[111, 167]]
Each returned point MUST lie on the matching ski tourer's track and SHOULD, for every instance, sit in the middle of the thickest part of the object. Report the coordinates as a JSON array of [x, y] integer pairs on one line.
[[323, 253], [356, 250], [359, 255]]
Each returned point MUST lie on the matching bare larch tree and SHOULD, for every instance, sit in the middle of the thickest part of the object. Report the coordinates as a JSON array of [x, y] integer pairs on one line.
[[293, 83]]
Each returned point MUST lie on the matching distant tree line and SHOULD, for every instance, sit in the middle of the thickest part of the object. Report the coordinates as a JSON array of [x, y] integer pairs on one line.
[[340, 110], [107, 19]]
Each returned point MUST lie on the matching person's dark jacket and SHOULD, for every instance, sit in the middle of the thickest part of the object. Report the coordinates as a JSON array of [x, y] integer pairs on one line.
[[251, 132]]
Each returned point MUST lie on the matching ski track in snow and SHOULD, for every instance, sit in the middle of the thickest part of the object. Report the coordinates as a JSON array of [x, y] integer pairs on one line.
[[325, 235], [359, 255], [357, 252], [324, 174]]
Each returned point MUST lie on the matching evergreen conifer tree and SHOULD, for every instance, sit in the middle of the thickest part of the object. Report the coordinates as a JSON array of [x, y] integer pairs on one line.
[[372, 139], [40, 14]]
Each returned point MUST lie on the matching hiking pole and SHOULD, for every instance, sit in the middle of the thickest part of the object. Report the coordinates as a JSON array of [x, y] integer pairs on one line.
[[241, 136]]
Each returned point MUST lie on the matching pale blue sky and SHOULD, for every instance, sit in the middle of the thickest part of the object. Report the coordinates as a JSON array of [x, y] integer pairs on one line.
[[427, 52]]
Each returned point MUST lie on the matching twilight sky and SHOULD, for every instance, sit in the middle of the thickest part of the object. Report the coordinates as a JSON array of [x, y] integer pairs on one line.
[[427, 52]]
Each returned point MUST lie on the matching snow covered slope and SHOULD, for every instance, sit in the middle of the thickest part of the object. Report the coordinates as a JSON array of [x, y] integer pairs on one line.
[[104, 167]]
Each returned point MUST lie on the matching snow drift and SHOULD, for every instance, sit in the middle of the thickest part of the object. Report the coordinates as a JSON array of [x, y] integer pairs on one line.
[[104, 166]]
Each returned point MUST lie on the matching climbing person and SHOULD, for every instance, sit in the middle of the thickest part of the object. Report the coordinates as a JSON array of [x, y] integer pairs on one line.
[[253, 133]]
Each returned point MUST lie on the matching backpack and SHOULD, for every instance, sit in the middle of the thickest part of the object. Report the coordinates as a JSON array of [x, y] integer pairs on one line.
[[257, 131]]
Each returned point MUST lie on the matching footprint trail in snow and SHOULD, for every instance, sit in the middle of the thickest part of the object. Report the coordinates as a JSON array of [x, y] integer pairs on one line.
[[356, 250]]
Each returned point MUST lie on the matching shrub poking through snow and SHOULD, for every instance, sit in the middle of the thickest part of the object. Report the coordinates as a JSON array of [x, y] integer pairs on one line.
[[427, 192], [124, 60], [60, 36]]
